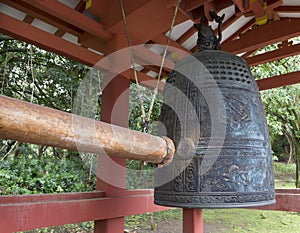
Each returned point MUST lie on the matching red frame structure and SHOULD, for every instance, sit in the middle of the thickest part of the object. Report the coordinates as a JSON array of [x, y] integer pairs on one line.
[[103, 34]]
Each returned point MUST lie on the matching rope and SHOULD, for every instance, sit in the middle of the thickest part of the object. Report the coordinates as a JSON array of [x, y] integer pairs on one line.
[[32, 75], [163, 60], [4, 73], [146, 119], [132, 61]]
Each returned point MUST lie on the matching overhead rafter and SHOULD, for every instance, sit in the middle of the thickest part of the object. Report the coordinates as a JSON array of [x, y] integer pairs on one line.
[[240, 31], [242, 5], [279, 81], [287, 9], [30, 34], [67, 14], [80, 8], [264, 35], [191, 31], [25, 32], [33, 12], [189, 5], [274, 55], [162, 38]]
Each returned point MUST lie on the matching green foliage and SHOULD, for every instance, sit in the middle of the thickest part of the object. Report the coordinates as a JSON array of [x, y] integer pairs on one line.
[[33, 175], [282, 106], [35, 75], [135, 113]]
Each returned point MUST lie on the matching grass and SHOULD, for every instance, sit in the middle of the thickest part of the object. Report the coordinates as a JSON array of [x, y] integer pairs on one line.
[[284, 175], [245, 220]]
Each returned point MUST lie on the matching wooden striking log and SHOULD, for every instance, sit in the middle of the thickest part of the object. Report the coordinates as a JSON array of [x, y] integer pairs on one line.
[[26, 122]]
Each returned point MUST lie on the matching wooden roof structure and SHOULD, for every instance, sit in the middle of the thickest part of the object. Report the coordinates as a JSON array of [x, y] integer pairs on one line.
[[87, 31]]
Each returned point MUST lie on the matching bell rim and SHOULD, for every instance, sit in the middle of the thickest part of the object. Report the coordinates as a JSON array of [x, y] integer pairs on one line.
[[218, 205]]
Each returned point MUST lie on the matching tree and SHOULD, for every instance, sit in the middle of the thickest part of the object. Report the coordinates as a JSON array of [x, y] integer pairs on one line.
[[282, 105], [283, 113]]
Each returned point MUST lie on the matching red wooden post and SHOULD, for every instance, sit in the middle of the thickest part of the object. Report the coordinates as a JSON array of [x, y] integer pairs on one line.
[[192, 221], [112, 102]]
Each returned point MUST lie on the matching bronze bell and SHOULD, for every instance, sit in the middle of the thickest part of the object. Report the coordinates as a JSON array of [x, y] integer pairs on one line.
[[213, 112]]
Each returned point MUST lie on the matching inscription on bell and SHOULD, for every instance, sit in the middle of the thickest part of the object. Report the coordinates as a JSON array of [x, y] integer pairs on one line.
[[232, 168]]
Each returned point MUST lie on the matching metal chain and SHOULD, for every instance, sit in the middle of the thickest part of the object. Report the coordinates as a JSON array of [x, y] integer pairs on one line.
[[146, 119]]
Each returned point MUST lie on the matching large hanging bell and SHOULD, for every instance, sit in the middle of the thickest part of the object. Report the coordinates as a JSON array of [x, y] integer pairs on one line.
[[214, 114]]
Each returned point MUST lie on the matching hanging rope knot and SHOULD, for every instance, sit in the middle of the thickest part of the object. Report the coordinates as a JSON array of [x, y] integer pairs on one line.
[[146, 124]]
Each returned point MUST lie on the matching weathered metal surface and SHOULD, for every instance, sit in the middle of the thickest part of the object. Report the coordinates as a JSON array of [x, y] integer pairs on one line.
[[230, 171], [32, 123]]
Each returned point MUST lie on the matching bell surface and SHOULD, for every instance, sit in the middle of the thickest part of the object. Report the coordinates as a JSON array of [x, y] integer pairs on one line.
[[214, 114]]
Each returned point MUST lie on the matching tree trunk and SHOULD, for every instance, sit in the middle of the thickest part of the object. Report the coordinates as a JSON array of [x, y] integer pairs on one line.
[[289, 137], [17, 151], [297, 158]]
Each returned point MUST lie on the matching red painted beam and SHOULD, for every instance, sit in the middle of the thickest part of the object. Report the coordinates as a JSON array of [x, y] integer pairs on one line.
[[25, 32], [240, 31], [241, 5], [34, 198], [44, 16], [264, 35], [273, 55], [279, 81], [162, 40], [67, 14], [286, 200], [144, 23], [187, 35], [189, 5], [287, 9], [21, 216]]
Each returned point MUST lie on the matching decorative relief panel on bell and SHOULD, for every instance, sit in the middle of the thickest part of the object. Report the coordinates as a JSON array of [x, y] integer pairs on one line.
[[230, 171]]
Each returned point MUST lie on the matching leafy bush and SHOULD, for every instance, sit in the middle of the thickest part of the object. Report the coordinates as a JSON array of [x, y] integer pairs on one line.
[[47, 174]]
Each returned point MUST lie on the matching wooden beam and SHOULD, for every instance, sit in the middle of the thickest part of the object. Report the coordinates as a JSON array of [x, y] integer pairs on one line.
[[249, 53], [264, 35], [67, 14], [80, 8], [239, 31], [44, 16], [273, 55], [22, 216], [189, 5], [144, 56], [228, 22], [31, 123], [142, 25], [279, 81], [186, 35], [25, 32], [241, 4], [286, 200], [30, 34], [162, 39], [192, 221], [114, 110], [287, 9]]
